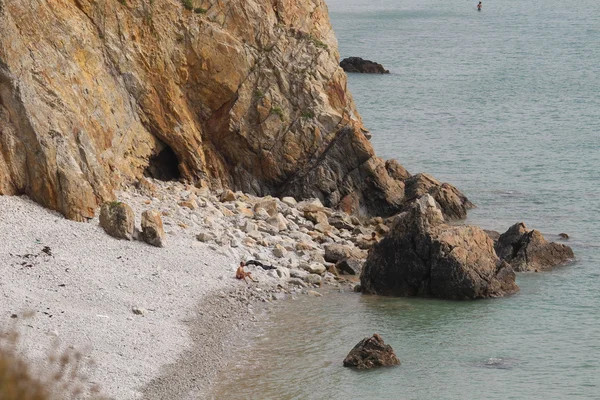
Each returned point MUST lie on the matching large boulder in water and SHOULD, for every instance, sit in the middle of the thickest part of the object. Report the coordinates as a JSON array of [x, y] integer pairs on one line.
[[453, 203], [371, 352], [422, 256], [528, 250], [357, 64]]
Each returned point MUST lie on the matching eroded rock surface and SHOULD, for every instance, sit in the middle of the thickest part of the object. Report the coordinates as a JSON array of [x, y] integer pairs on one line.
[[453, 203], [247, 94], [528, 250], [422, 256], [370, 353]]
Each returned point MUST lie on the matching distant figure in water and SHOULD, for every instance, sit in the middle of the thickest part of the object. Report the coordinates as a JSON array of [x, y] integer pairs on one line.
[[479, 6]]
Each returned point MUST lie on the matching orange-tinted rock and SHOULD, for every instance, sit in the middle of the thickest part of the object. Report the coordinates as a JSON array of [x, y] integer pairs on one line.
[[247, 96]]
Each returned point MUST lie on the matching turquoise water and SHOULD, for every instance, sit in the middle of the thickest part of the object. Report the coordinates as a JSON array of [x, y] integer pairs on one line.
[[504, 104]]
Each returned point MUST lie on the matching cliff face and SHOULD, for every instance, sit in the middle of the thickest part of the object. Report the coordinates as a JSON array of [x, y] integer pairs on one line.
[[246, 94]]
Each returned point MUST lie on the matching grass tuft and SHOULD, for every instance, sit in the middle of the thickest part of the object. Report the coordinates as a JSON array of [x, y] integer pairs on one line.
[[308, 114], [278, 111]]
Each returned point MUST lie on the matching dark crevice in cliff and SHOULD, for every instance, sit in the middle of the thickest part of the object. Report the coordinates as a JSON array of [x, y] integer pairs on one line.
[[164, 165]]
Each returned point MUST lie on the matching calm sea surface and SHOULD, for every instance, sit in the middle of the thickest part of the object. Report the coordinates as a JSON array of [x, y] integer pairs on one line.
[[504, 104]]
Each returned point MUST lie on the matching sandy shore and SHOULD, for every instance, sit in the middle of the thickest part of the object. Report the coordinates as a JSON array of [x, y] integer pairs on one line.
[[81, 287]]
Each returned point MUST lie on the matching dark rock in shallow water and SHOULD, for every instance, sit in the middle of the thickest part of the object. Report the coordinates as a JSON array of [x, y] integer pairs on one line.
[[357, 64], [370, 353], [422, 256], [527, 250], [453, 203]]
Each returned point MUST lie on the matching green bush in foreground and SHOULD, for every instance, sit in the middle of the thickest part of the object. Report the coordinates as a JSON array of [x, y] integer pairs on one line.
[[59, 378]]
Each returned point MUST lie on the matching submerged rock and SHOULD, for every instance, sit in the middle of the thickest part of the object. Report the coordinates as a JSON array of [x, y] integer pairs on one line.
[[357, 64], [422, 256], [528, 250], [117, 219], [370, 353]]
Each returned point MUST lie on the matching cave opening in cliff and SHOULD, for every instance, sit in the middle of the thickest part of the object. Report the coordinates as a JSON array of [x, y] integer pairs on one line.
[[163, 165]]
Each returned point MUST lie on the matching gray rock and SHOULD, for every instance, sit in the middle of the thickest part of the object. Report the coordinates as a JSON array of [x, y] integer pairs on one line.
[[297, 282], [341, 221], [261, 214], [452, 202], [313, 279], [528, 250], [205, 237], [152, 228], [338, 252], [256, 235], [290, 201], [350, 266], [422, 256], [278, 296], [117, 219], [139, 311], [370, 353], [315, 268], [298, 273], [267, 204], [279, 251], [283, 272], [278, 221]]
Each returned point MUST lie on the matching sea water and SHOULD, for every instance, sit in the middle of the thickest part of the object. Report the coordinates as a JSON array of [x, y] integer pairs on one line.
[[504, 104]]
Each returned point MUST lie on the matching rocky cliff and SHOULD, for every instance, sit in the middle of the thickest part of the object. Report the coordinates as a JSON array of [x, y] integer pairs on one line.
[[246, 94]]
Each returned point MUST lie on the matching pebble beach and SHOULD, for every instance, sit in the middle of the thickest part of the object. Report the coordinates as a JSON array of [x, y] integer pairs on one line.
[[160, 322]]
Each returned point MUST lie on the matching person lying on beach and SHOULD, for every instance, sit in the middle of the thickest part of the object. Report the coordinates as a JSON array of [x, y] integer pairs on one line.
[[241, 274], [254, 262]]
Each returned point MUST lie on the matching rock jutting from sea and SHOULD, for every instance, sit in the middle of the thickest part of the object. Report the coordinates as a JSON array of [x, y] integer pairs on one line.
[[423, 256], [528, 250], [371, 353], [357, 64]]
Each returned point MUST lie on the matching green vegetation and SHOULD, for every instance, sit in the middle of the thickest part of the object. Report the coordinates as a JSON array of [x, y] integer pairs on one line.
[[308, 114], [200, 10], [188, 4], [114, 204], [318, 43], [277, 111], [123, 2], [258, 94]]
